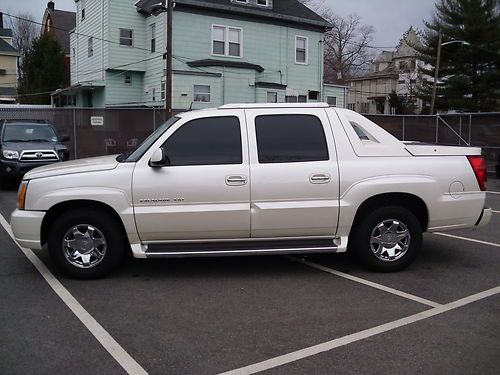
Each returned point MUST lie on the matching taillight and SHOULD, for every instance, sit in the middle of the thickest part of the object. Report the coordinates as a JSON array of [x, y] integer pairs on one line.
[[479, 166]]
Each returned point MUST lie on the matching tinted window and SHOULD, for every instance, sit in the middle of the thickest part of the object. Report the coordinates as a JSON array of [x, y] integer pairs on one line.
[[290, 138], [206, 141], [29, 133]]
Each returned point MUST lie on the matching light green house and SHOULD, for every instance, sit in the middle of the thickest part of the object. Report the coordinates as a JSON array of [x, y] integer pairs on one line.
[[224, 51]]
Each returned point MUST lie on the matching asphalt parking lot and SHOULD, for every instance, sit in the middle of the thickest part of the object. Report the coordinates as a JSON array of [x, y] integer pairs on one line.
[[275, 314]]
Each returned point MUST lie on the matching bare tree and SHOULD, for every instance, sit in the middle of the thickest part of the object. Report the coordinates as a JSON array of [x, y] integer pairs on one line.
[[347, 46], [24, 31]]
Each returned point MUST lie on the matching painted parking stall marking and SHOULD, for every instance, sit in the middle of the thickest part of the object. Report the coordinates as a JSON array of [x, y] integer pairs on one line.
[[342, 341], [366, 282], [107, 341], [467, 239]]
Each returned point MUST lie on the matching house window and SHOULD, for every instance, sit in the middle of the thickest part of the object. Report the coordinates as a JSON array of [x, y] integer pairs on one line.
[[272, 97], [262, 3], [296, 99], [153, 37], [83, 9], [126, 37], [201, 94], [291, 99], [90, 51], [331, 100], [301, 50], [128, 79], [226, 41], [351, 106], [313, 95], [163, 87]]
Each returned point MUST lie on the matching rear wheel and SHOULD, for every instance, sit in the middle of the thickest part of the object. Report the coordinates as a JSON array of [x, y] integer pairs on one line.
[[387, 239], [86, 244]]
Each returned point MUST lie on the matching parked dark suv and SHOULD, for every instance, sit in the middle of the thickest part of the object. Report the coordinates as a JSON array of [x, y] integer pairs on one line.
[[25, 145]]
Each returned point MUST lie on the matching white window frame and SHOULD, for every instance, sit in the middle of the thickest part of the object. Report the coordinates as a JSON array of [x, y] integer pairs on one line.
[[202, 93], [226, 40], [120, 38], [152, 27], [163, 90], [262, 5], [297, 37], [271, 92], [331, 96]]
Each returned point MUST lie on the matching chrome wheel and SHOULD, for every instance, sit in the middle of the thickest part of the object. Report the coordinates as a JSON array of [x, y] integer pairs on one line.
[[390, 240], [84, 246]]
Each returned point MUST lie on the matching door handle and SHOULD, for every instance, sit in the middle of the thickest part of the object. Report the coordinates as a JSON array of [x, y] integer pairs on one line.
[[319, 178], [236, 180]]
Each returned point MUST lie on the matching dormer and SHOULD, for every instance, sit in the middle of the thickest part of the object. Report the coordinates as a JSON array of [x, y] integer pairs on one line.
[[266, 4]]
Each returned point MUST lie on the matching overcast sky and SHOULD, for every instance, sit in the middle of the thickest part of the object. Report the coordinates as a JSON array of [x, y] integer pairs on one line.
[[390, 18]]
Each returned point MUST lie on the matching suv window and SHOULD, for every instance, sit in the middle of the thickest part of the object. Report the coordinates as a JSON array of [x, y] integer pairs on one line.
[[206, 141], [290, 139], [29, 133]]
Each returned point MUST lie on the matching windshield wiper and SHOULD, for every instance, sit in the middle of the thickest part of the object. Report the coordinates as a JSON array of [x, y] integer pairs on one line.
[[15, 140], [39, 140], [122, 156]]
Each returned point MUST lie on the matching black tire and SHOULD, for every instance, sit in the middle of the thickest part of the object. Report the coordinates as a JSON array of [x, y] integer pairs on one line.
[[371, 223], [107, 228]]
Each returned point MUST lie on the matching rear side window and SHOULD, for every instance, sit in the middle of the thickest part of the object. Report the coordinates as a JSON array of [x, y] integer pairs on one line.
[[290, 139], [206, 141]]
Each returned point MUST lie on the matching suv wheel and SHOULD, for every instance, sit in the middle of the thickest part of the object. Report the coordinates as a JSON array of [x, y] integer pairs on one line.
[[387, 239], [85, 244]]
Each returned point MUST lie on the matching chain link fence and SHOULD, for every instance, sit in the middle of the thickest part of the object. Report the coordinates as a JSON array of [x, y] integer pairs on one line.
[[107, 131]]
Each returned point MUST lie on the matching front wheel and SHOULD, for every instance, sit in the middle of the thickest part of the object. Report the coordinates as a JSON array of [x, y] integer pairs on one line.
[[387, 239], [86, 244]]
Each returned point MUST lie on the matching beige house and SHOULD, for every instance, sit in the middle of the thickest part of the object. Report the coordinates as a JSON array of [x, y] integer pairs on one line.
[[8, 66], [391, 72]]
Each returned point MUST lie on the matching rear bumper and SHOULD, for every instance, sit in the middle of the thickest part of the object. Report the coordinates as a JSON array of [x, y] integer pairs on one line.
[[26, 226], [485, 217]]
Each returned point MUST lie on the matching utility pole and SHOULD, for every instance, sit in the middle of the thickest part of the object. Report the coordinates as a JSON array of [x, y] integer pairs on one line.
[[168, 89], [434, 86]]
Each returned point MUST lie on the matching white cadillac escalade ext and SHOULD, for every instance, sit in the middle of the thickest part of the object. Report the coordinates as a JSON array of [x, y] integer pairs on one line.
[[253, 179]]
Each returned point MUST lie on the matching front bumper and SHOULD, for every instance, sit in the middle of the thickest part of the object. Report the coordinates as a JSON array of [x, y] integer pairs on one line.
[[16, 168], [26, 226], [485, 217]]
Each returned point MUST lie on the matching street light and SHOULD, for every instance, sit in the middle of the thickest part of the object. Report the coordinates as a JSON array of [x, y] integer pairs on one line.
[[438, 58]]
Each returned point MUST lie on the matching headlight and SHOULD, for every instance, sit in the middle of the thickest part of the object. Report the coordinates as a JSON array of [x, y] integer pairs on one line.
[[11, 155], [21, 195]]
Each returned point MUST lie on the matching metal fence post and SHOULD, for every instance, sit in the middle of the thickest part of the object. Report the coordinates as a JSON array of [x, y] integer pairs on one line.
[[470, 127], [460, 131], [74, 134], [437, 128], [404, 117]]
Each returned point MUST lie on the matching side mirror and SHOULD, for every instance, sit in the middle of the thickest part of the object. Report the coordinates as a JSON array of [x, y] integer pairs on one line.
[[159, 159], [65, 138]]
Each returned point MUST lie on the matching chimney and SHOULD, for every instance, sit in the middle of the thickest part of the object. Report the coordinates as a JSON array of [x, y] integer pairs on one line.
[[1, 20], [51, 5]]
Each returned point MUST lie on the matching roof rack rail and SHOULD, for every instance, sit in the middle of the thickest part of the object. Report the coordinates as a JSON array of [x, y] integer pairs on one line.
[[273, 105]]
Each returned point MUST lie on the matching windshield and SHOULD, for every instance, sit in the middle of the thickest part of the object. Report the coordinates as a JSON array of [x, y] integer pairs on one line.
[[29, 133], [148, 142]]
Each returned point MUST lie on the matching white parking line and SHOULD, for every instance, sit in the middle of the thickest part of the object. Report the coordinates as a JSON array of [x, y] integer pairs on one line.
[[494, 192], [495, 212], [106, 340], [329, 345], [367, 282], [467, 239]]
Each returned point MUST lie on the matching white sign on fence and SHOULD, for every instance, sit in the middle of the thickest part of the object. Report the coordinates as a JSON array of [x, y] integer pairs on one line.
[[97, 120]]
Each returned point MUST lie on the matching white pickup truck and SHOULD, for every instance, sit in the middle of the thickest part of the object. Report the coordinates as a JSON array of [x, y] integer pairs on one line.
[[253, 179]]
